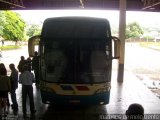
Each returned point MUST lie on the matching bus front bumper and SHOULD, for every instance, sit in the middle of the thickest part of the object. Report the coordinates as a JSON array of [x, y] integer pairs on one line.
[[96, 99]]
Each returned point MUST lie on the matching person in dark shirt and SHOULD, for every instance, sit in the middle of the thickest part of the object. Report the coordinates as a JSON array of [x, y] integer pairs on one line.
[[35, 67], [22, 62], [3, 71], [29, 64], [14, 86], [4, 86], [135, 112]]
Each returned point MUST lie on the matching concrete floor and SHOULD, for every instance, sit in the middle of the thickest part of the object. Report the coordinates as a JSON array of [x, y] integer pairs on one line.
[[123, 94]]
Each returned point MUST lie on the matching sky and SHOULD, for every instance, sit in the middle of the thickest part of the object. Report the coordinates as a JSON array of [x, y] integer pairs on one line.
[[143, 18], [40, 15], [37, 16]]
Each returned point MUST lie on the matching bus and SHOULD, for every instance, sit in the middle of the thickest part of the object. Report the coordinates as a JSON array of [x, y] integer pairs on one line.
[[75, 60]]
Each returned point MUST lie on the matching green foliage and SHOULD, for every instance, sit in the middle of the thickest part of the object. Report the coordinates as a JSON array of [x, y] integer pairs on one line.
[[9, 47], [33, 30], [133, 30], [13, 29], [150, 45], [148, 37], [2, 22]]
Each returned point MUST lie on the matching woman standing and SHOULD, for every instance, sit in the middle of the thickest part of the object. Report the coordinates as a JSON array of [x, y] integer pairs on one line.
[[3, 71], [4, 85]]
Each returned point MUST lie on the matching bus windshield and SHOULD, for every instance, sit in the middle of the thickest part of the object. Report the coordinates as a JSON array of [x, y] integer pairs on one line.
[[74, 60]]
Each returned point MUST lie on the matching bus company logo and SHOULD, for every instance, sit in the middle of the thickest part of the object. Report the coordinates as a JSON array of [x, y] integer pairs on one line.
[[82, 88]]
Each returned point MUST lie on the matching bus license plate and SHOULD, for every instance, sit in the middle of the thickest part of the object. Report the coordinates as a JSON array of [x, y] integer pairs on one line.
[[74, 101]]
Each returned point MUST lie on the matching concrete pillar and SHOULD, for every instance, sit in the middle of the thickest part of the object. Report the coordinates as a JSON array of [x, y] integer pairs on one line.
[[122, 27]]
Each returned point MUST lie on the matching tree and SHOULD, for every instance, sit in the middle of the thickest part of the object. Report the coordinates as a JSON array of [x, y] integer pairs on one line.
[[2, 22], [33, 30], [133, 30], [14, 27]]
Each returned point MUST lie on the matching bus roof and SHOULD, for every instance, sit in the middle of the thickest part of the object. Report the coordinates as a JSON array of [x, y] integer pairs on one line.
[[76, 27]]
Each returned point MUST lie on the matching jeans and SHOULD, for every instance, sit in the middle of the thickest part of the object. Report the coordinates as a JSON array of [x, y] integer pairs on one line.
[[27, 90], [36, 72], [14, 99]]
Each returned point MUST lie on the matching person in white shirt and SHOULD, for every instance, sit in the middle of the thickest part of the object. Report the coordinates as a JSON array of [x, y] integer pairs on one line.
[[26, 78]]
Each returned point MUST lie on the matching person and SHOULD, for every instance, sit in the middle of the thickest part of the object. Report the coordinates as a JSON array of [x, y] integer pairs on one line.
[[4, 86], [3, 71], [135, 112], [35, 67], [2, 43], [22, 62], [26, 78], [29, 63], [14, 86]]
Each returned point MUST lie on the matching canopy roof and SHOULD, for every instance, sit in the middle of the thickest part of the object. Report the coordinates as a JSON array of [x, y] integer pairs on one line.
[[132, 5]]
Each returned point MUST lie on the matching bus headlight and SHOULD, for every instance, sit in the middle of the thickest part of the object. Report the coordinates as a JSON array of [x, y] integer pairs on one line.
[[46, 89], [102, 90]]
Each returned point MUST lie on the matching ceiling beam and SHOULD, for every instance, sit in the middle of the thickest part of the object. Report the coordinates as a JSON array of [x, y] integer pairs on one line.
[[150, 4], [81, 3], [14, 3]]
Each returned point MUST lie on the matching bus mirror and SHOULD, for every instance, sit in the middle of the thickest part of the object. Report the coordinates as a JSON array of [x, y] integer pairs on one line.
[[116, 47], [32, 42]]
